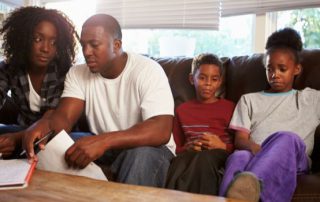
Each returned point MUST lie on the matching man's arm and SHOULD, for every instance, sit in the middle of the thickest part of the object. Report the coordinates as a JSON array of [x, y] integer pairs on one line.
[[154, 131], [63, 117], [67, 114], [243, 142]]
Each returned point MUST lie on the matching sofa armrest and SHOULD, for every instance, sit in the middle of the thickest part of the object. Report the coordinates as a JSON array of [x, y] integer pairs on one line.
[[316, 152]]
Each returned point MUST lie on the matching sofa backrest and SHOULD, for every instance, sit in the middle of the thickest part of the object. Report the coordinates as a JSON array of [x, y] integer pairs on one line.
[[244, 74], [177, 70]]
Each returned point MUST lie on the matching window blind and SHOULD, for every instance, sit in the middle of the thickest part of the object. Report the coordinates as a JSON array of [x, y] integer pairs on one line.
[[234, 7], [193, 14], [188, 14], [14, 3]]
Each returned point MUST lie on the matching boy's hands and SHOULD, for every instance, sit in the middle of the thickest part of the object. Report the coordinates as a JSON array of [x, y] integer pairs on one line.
[[194, 145], [211, 141], [206, 141]]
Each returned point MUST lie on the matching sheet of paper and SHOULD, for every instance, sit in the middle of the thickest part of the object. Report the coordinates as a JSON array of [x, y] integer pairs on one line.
[[13, 171], [52, 159]]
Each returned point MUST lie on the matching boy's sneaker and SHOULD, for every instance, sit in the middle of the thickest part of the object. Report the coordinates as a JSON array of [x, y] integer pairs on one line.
[[245, 186]]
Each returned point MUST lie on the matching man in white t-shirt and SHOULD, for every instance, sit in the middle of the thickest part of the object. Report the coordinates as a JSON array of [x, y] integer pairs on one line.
[[128, 105]]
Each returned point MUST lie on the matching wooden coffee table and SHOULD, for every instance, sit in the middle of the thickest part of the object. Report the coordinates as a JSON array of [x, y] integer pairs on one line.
[[48, 186]]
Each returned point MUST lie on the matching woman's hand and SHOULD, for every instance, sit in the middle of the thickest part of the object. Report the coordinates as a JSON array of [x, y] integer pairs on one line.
[[9, 142], [31, 135]]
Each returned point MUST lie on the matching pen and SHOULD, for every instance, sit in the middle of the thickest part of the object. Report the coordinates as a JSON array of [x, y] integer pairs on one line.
[[39, 141]]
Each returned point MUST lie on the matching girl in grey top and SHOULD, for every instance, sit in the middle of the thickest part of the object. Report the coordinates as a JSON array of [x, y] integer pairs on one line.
[[274, 129]]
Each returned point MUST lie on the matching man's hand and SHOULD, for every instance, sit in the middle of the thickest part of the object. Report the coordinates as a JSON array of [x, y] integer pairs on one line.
[[84, 151], [211, 141], [9, 142]]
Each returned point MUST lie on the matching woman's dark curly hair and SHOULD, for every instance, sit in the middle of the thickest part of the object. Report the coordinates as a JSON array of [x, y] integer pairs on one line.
[[288, 39], [18, 28]]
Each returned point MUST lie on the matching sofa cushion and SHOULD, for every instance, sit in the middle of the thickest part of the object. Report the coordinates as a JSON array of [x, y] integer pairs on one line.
[[307, 188]]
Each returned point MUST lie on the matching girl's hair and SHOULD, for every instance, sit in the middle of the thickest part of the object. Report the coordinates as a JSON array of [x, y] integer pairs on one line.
[[286, 39], [206, 58], [18, 28]]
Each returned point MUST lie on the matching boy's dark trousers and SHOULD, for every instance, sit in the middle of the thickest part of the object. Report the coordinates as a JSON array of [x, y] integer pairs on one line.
[[197, 172]]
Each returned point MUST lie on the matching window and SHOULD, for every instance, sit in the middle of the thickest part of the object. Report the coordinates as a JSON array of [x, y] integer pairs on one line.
[[242, 30], [305, 21], [231, 39], [4, 10], [78, 12]]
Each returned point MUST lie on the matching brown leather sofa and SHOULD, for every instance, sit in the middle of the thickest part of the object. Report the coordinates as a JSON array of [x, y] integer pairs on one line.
[[243, 74]]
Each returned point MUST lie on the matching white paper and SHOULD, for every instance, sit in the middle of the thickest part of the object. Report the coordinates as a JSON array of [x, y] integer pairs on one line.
[[13, 171], [52, 159]]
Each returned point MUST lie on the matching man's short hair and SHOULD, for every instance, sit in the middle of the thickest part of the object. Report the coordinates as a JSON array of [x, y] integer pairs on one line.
[[109, 23]]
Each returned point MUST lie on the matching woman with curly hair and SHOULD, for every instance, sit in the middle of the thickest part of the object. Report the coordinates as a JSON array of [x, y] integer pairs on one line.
[[39, 48]]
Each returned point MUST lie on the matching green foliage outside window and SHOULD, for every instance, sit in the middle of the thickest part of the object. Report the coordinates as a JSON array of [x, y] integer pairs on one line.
[[307, 22]]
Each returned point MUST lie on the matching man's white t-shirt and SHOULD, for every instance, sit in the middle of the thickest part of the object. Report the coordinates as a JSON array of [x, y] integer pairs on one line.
[[140, 92]]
